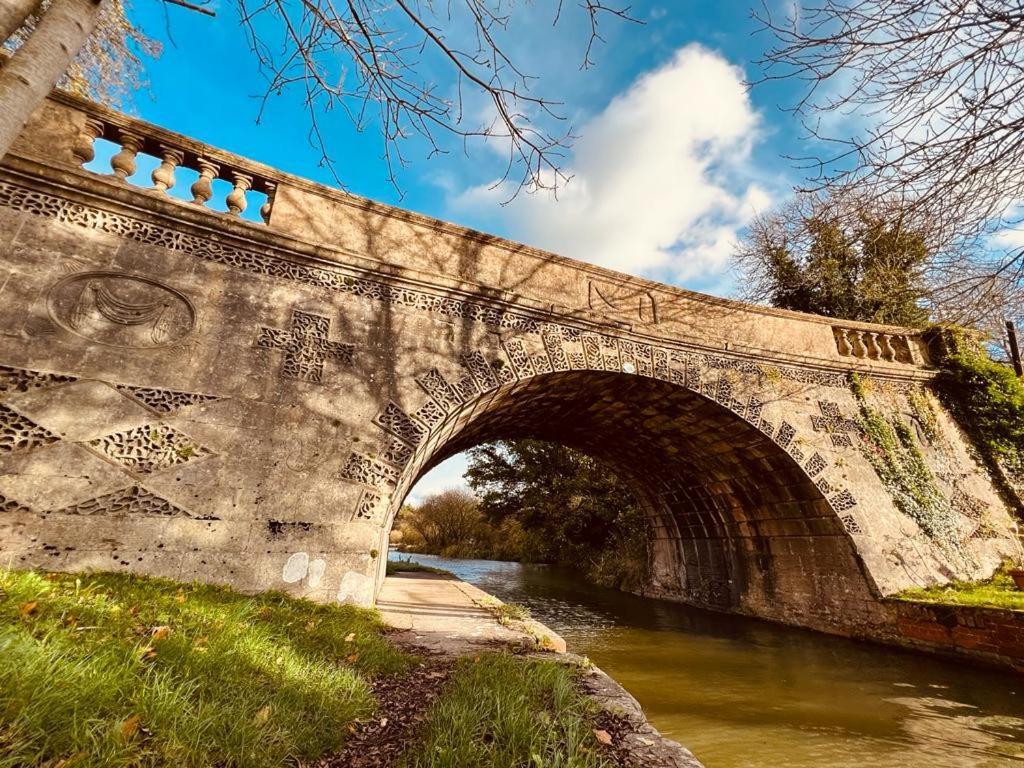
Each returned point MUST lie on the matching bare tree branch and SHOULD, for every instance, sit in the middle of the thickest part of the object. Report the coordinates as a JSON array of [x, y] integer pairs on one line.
[[930, 96], [380, 62]]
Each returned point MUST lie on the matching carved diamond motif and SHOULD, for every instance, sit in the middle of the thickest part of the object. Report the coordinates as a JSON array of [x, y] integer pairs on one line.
[[20, 433], [163, 401], [22, 380], [129, 501], [149, 448]]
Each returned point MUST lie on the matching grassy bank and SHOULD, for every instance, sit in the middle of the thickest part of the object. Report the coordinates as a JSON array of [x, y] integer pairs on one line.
[[111, 670], [502, 711], [408, 565], [997, 592]]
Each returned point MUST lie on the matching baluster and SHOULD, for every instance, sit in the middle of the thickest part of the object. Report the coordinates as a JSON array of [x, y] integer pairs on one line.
[[123, 162], [163, 174], [202, 188], [874, 350], [236, 198], [84, 148], [270, 188], [843, 341], [889, 351], [859, 347]]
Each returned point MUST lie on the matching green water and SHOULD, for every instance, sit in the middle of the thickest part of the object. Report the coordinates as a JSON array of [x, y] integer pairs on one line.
[[744, 693]]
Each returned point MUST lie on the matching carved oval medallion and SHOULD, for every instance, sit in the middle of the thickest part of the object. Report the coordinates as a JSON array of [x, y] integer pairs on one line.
[[122, 310]]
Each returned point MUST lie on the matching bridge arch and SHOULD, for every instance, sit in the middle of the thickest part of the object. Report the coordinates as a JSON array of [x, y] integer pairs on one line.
[[738, 522]]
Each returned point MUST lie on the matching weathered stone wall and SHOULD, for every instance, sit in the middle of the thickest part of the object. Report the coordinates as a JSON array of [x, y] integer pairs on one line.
[[193, 395]]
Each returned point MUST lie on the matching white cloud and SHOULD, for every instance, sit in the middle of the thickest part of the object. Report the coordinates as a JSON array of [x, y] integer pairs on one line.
[[661, 178]]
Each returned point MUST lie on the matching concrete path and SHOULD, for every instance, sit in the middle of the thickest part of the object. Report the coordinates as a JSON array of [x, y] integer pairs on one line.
[[449, 615]]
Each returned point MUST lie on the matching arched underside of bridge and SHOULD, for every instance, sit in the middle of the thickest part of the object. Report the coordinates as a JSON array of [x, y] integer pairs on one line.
[[736, 523]]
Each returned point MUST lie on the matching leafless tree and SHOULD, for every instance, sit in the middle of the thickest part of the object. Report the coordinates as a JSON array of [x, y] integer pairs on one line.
[[378, 59], [931, 96], [417, 67]]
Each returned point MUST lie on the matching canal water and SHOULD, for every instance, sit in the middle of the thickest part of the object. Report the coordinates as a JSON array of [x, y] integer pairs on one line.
[[742, 693]]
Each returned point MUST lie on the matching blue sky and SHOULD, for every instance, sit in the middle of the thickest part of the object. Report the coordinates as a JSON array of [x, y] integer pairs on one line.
[[675, 155]]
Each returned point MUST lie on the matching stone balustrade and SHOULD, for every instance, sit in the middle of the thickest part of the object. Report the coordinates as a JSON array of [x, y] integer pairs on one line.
[[134, 138], [875, 345]]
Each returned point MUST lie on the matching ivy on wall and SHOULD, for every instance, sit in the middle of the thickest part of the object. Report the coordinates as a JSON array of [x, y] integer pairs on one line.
[[988, 400], [890, 448]]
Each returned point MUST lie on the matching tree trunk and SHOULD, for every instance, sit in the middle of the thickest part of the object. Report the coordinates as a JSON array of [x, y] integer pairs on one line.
[[33, 70], [12, 15]]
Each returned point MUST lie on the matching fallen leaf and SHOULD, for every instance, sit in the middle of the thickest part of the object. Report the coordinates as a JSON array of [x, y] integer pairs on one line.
[[350, 637], [180, 597], [130, 726], [148, 652], [352, 658], [159, 633], [383, 722], [134, 610], [27, 609], [263, 714], [603, 736]]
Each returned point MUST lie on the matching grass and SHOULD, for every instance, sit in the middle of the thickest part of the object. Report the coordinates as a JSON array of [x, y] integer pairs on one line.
[[997, 592], [407, 565], [507, 613], [112, 670], [503, 711]]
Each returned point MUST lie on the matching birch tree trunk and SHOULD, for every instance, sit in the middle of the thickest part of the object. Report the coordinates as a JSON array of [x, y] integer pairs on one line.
[[33, 70], [12, 15]]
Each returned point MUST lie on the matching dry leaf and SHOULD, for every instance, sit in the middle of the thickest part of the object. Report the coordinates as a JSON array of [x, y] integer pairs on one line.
[[180, 597], [603, 736], [27, 609], [134, 610], [130, 726], [350, 637], [263, 714], [352, 658], [383, 722], [159, 633]]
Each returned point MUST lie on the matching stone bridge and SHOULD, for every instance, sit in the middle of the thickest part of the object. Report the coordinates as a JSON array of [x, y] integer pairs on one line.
[[194, 391]]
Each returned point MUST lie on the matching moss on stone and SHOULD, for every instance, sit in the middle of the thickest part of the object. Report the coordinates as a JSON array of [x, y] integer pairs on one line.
[[890, 448]]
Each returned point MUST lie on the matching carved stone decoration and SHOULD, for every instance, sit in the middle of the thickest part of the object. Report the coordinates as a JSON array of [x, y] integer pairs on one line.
[[851, 525], [398, 452], [434, 384], [365, 469], [832, 422], [18, 433], [134, 500], [149, 448], [482, 372], [22, 379], [121, 310], [396, 421], [10, 505], [366, 508], [306, 346], [163, 401], [275, 263]]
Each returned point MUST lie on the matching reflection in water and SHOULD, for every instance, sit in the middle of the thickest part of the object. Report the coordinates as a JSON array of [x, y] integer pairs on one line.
[[742, 693]]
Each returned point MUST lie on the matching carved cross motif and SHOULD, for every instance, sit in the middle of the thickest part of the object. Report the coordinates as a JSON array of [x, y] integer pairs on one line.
[[306, 346], [832, 422]]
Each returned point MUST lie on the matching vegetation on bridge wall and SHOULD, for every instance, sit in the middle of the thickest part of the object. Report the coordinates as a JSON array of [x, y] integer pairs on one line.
[[988, 400], [890, 447]]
